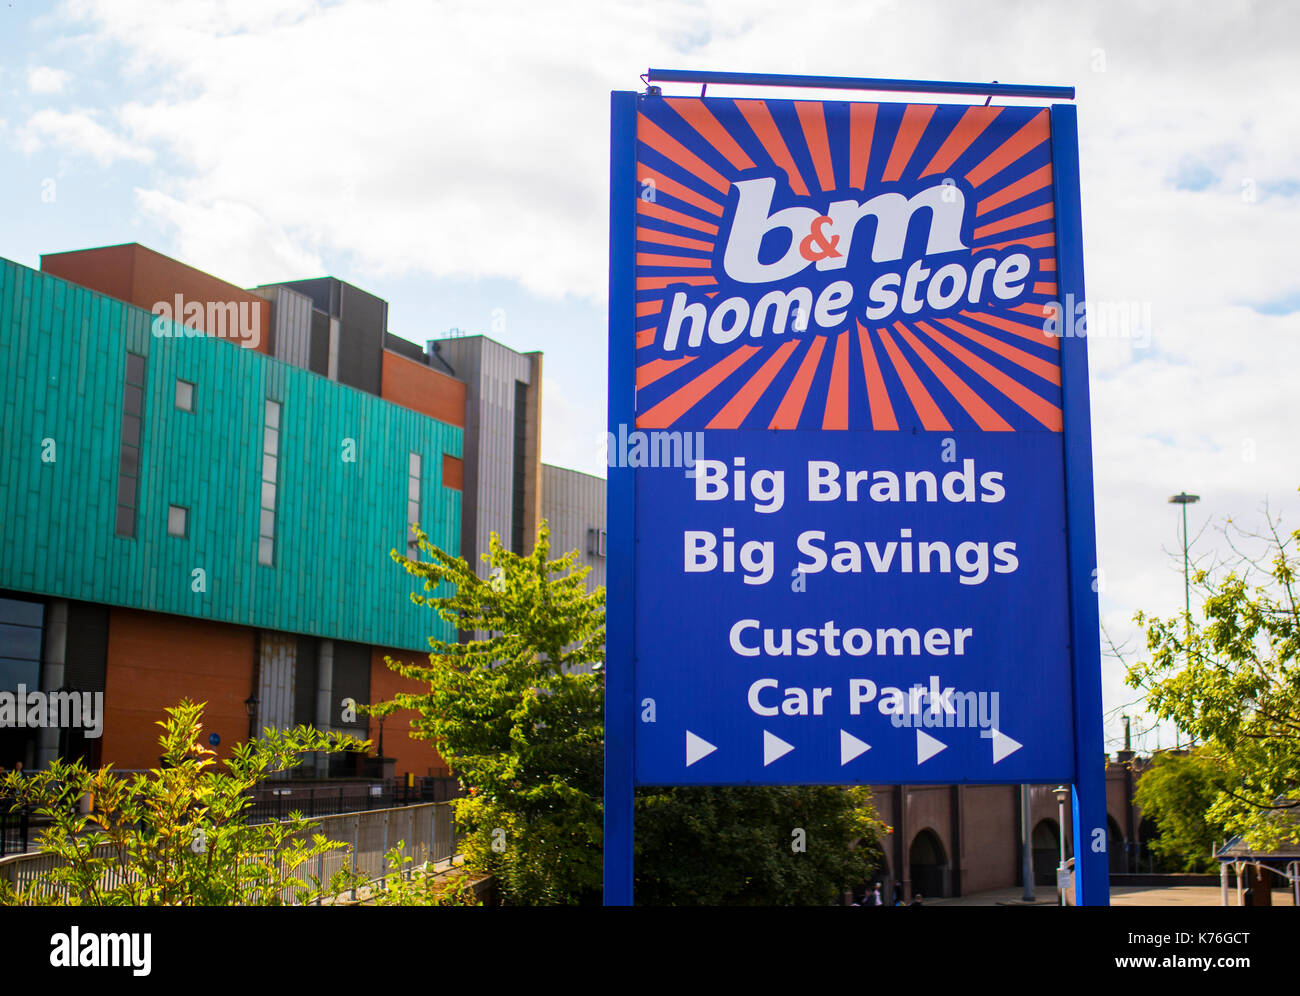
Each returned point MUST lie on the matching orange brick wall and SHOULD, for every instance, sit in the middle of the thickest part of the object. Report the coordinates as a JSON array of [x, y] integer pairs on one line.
[[143, 277], [417, 756], [423, 389], [154, 661], [453, 472]]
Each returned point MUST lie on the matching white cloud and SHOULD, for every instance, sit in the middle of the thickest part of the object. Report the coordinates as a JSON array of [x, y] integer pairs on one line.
[[79, 133], [44, 79], [264, 251]]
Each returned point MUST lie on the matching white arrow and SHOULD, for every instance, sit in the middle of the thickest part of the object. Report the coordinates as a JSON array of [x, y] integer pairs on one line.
[[1003, 745], [851, 747], [696, 748], [927, 747], [774, 747]]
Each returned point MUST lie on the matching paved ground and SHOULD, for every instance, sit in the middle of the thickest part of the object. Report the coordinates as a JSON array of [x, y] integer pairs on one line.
[[1129, 895]]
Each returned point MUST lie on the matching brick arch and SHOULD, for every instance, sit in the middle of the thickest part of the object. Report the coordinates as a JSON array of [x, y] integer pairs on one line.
[[929, 864]]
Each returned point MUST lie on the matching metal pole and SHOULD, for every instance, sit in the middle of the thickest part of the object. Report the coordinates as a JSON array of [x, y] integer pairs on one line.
[[1060, 820], [860, 83], [1026, 852], [1187, 614]]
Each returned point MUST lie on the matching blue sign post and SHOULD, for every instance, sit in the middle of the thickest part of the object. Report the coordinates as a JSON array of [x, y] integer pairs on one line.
[[850, 513]]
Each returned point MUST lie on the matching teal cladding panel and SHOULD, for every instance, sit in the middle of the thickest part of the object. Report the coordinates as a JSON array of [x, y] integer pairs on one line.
[[62, 371]]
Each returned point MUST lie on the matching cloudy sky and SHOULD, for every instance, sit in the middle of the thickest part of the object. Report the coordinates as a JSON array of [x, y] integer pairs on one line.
[[452, 157]]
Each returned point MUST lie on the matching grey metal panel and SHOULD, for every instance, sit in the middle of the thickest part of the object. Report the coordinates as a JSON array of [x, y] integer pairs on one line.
[[291, 321], [490, 371], [572, 504], [275, 680]]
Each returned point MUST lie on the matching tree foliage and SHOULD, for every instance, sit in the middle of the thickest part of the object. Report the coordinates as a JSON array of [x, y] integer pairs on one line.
[[177, 835], [1178, 791], [517, 711], [754, 845], [1233, 683]]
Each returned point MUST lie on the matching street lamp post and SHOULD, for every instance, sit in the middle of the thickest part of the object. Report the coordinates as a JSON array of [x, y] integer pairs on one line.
[[1184, 499], [1061, 793]]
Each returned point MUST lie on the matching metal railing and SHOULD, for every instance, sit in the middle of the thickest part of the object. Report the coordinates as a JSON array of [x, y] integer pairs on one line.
[[14, 827], [426, 831]]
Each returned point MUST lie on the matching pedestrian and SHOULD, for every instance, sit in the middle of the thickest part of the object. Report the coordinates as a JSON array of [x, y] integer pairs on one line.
[[916, 900], [873, 896]]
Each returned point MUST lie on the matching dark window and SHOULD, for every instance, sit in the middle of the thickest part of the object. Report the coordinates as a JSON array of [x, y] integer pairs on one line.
[[128, 464], [520, 469], [21, 630]]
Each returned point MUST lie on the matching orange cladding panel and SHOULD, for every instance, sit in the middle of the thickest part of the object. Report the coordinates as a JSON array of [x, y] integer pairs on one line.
[[416, 756], [146, 278], [423, 389], [154, 661]]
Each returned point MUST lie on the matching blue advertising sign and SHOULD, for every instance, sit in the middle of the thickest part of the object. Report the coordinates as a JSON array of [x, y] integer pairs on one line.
[[850, 484]]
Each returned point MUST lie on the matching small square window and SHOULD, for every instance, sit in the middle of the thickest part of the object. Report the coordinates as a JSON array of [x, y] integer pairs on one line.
[[268, 495], [184, 395], [178, 521], [414, 465], [268, 523], [266, 551], [271, 442], [273, 414], [268, 467], [125, 520]]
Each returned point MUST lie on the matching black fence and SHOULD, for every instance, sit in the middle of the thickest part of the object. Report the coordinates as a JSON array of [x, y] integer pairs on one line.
[[277, 800], [14, 827]]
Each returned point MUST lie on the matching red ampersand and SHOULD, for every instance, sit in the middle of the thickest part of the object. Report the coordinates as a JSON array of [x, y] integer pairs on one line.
[[815, 244]]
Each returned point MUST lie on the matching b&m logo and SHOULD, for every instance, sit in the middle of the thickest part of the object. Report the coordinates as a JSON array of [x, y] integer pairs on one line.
[[844, 266]]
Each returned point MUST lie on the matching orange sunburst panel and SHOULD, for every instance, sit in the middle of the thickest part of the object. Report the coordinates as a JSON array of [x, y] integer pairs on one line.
[[652, 209], [1049, 370], [978, 409], [915, 120], [760, 120], [663, 143], [971, 126], [813, 122], [1034, 133], [1047, 414], [697, 114], [660, 282], [648, 373], [669, 239], [679, 402], [1041, 241], [753, 366], [657, 183]]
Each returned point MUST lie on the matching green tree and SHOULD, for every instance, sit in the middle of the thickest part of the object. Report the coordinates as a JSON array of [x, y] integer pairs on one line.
[[517, 711], [1233, 683], [754, 845], [179, 833], [1178, 792]]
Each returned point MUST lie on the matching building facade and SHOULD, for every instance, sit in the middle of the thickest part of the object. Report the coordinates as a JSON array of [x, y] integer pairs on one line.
[[202, 485]]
